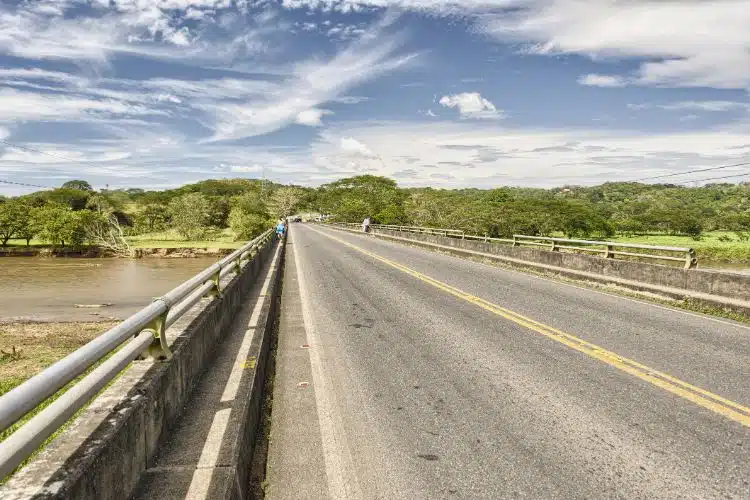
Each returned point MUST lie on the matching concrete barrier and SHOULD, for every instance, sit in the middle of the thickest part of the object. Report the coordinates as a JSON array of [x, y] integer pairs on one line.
[[104, 452], [725, 290]]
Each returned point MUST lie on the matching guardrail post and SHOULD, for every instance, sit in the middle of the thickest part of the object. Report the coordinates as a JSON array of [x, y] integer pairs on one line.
[[485, 237], [515, 241], [554, 248], [608, 253], [158, 349], [215, 290], [691, 261]]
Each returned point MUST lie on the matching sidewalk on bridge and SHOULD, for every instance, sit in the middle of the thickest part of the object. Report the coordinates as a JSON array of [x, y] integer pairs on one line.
[[296, 465], [207, 452]]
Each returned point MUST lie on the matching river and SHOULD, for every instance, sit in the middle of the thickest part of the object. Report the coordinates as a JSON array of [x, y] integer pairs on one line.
[[44, 289]]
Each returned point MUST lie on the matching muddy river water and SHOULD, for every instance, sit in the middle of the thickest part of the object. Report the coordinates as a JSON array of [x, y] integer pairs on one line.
[[47, 289]]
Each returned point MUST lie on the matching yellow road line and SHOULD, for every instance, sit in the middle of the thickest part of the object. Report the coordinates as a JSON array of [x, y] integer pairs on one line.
[[701, 397]]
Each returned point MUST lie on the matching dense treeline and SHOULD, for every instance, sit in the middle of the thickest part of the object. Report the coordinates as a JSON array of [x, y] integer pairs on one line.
[[74, 214], [599, 211]]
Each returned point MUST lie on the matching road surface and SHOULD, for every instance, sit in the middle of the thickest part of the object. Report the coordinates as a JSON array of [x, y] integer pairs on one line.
[[436, 377]]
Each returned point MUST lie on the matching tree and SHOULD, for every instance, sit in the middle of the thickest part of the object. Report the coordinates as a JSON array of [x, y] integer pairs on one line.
[[152, 218], [75, 199], [190, 215], [246, 225], [285, 201], [55, 224], [105, 232], [14, 220], [78, 184]]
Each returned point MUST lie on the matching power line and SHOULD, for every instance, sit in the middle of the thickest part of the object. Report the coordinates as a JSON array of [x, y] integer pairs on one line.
[[32, 150], [715, 178], [692, 171], [24, 184]]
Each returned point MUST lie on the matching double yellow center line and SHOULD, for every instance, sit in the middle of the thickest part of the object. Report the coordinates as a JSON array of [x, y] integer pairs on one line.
[[701, 397]]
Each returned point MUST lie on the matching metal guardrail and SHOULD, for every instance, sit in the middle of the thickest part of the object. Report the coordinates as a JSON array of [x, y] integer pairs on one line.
[[144, 331], [608, 249]]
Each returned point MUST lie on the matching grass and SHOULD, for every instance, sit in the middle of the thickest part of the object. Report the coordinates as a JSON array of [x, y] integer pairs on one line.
[[29, 347], [708, 248], [169, 239], [164, 239]]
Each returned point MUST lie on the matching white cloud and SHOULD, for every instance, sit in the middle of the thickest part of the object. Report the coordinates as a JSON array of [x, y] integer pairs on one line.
[[29, 106], [245, 168], [594, 80], [4, 133], [310, 84], [311, 117], [690, 43], [169, 98], [471, 105], [706, 106], [483, 154], [354, 147]]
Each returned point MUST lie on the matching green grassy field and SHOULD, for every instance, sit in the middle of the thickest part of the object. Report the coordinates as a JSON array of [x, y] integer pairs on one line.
[[165, 239], [708, 248], [168, 239], [26, 348]]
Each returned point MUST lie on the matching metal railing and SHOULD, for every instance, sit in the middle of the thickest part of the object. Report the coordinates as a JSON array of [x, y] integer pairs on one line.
[[608, 249], [144, 331]]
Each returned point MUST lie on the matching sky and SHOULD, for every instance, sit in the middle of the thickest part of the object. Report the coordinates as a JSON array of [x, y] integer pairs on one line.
[[472, 93]]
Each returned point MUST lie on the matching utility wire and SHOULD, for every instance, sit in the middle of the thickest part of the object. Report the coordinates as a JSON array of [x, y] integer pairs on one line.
[[32, 150], [24, 184], [693, 171], [715, 178]]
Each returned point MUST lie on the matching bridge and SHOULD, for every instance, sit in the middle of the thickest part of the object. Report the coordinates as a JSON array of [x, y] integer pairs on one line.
[[405, 363]]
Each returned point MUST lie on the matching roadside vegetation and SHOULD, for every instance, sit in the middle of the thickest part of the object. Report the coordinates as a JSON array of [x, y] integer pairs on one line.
[[714, 219], [213, 213]]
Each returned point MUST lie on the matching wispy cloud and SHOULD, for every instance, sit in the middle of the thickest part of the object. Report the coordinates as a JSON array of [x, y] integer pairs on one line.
[[310, 84], [594, 80]]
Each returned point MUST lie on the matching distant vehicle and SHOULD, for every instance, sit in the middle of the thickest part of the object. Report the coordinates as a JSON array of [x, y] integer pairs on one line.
[[296, 218]]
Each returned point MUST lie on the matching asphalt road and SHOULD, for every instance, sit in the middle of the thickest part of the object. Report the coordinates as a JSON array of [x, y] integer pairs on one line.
[[436, 377]]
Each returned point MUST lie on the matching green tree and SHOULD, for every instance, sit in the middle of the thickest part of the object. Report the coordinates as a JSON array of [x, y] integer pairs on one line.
[[75, 199], [15, 220], [245, 225], [54, 224], [152, 218], [285, 201], [190, 214], [78, 184]]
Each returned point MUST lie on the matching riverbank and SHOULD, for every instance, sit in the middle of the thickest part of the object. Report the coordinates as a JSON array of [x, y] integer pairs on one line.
[[27, 347], [138, 252]]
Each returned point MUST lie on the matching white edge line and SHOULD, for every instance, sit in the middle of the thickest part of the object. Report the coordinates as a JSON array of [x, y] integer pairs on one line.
[[335, 450]]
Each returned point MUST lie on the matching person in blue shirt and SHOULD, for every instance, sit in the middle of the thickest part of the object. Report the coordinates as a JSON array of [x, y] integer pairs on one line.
[[280, 228]]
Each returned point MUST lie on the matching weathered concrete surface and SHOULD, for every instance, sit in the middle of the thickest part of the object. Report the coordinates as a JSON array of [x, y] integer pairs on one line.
[[727, 291], [208, 452], [296, 464], [106, 449]]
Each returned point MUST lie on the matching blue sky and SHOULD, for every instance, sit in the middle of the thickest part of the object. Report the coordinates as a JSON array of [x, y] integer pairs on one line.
[[482, 93]]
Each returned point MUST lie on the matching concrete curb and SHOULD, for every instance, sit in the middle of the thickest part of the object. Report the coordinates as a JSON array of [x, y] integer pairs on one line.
[[104, 452], [726, 304]]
